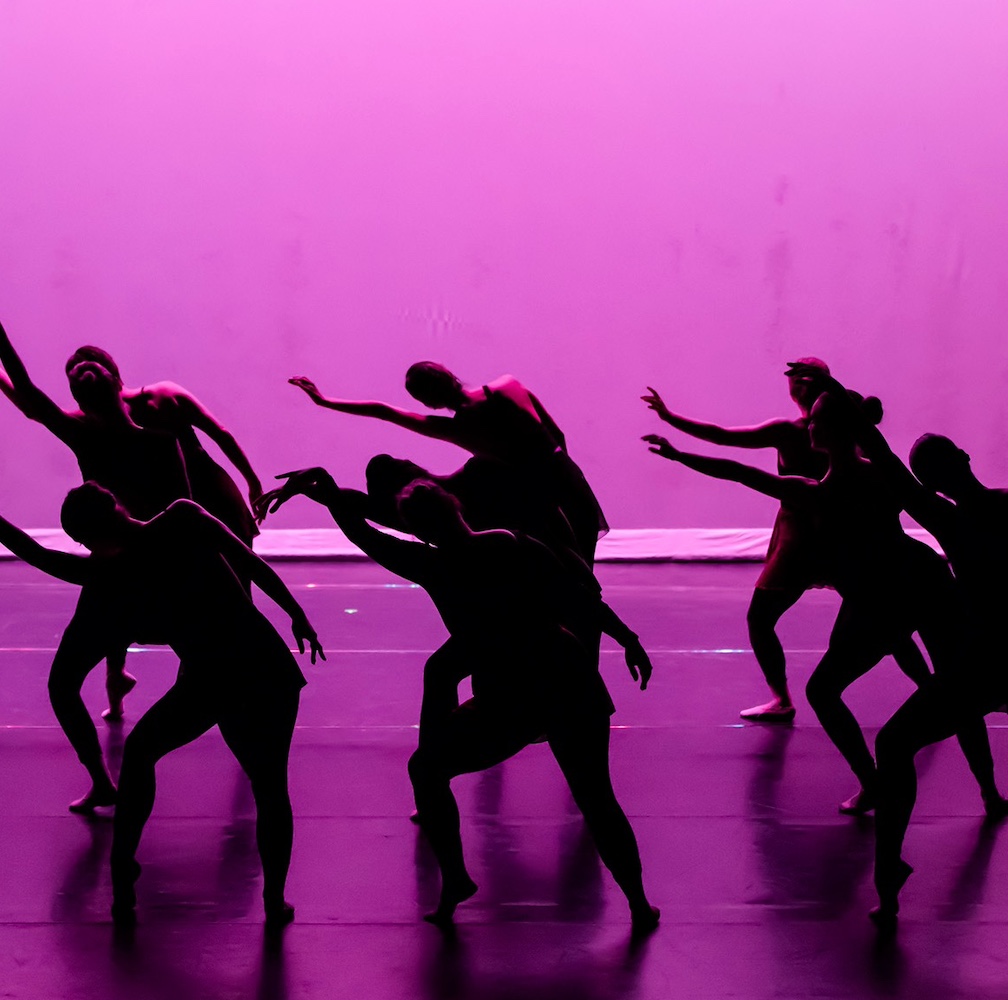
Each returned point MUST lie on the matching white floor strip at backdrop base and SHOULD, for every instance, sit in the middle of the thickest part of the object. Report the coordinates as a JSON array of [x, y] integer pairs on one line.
[[620, 545]]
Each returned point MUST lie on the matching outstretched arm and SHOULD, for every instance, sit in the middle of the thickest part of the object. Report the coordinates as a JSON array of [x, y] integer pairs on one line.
[[772, 434], [411, 560], [28, 397], [422, 423], [62, 565], [794, 490]]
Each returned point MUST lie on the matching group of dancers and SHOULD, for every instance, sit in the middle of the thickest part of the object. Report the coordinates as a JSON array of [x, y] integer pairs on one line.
[[505, 548]]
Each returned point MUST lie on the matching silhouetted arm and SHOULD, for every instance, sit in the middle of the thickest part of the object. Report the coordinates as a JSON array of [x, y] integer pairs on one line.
[[794, 490], [197, 415], [246, 563], [549, 423], [412, 560], [772, 434], [62, 565], [28, 398], [422, 423]]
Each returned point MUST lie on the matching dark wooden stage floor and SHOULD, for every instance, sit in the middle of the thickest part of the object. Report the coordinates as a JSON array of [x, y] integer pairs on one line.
[[764, 888]]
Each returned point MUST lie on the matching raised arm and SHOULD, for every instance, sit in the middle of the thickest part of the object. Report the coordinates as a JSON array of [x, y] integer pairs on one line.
[[772, 434], [794, 490], [422, 423], [30, 399], [62, 565]]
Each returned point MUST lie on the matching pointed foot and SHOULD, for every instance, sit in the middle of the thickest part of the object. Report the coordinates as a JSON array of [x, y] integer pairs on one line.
[[644, 921]]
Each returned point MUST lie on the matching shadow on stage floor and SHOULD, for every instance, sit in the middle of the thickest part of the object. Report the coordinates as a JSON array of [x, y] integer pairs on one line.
[[764, 888]]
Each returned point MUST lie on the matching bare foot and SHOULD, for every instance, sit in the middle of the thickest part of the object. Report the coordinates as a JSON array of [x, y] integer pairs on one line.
[[644, 921], [117, 686], [452, 893], [772, 711], [124, 876], [279, 915], [995, 806], [859, 804], [103, 795], [885, 914]]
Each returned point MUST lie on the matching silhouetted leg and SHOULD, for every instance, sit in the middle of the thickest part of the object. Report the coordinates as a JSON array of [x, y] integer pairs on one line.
[[471, 739], [177, 718], [581, 748], [118, 684], [258, 732], [81, 648], [854, 648], [953, 654], [444, 670], [928, 716], [911, 660], [765, 610]]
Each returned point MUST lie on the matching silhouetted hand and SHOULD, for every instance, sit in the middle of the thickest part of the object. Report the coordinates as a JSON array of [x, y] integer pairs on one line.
[[255, 502], [302, 630], [638, 663], [661, 446], [315, 483], [308, 386], [655, 402]]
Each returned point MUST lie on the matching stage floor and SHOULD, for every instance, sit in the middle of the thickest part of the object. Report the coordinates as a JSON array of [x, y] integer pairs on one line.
[[764, 888]]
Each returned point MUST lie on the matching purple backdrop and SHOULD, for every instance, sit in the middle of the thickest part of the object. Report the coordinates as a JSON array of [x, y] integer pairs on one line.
[[593, 196]]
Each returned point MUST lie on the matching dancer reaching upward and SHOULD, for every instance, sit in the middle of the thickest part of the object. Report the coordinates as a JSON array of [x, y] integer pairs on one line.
[[143, 467], [177, 576], [506, 600], [165, 407], [891, 586], [501, 420], [795, 560]]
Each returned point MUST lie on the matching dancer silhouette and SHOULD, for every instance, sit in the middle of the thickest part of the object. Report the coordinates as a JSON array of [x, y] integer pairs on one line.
[[970, 522], [794, 560], [507, 601], [145, 469], [177, 575], [501, 420], [891, 585]]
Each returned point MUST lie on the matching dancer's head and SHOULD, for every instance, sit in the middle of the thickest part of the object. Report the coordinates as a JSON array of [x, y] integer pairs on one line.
[[430, 512], [941, 465], [434, 386], [870, 406], [94, 387], [92, 516], [90, 353], [830, 427], [803, 386], [386, 478]]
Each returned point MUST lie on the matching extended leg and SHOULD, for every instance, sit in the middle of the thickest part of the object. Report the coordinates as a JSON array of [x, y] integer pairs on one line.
[[854, 649], [928, 716], [83, 645], [581, 749], [470, 740], [259, 734], [177, 718], [765, 610]]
